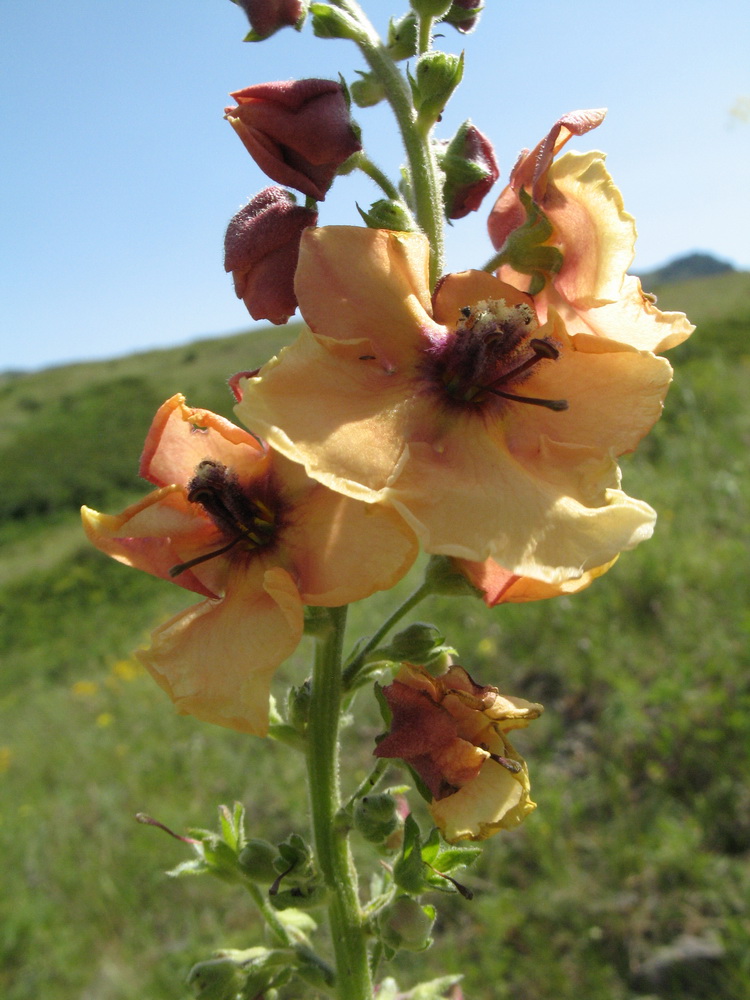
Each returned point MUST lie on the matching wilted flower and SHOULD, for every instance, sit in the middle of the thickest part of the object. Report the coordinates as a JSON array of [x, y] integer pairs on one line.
[[261, 247], [453, 733], [595, 238], [470, 168], [247, 530], [267, 16], [493, 434], [298, 132]]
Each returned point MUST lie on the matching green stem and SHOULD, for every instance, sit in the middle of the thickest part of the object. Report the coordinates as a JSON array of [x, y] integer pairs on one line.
[[428, 195], [423, 590], [374, 172], [353, 980], [269, 914]]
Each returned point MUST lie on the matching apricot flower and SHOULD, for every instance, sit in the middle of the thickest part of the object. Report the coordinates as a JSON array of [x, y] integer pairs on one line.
[[453, 733], [595, 236], [494, 436], [248, 531]]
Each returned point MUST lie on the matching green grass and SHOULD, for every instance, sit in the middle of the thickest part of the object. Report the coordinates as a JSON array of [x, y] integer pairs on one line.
[[639, 765]]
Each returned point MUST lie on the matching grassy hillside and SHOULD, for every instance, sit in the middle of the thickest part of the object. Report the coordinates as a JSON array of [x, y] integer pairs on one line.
[[639, 765]]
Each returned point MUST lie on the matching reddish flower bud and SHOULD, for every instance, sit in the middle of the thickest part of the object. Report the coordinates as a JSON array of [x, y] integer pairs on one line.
[[463, 15], [298, 132], [261, 249], [267, 16], [470, 171]]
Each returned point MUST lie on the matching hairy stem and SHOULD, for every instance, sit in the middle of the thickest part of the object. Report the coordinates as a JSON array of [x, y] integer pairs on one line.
[[353, 980]]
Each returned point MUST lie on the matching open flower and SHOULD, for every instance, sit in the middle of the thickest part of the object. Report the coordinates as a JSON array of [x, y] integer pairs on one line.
[[453, 733], [298, 131], [247, 530], [495, 436], [261, 247], [594, 235]]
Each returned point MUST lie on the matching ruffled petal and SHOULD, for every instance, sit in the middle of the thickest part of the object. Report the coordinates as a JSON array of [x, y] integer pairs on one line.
[[497, 799], [552, 517], [157, 533], [343, 418], [344, 550], [370, 285], [633, 319], [615, 395], [216, 659], [595, 233], [182, 436], [499, 586]]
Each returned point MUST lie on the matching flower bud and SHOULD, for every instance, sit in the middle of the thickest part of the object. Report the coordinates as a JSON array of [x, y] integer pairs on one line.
[[298, 706], [430, 8], [376, 817], [329, 22], [256, 860], [416, 643], [437, 76], [470, 171], [267, 16], [402, 37], [392, 215], [367, 91], [464, 15], [261, 247], [215, 979], [406, 924], [298, 132]]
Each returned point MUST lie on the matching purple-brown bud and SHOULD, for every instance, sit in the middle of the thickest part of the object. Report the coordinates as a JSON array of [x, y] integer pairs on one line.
[[470, 171], [261, 249], [463, 15], [298, 132], [267, 16]]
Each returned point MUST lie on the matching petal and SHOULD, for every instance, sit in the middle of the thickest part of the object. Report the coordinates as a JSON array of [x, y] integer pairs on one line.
[[468, 287], [367, 284], [552, 517], [182, 436], [216, 659], [158, 533], [596, 234], [496, 799], [343, 418], [615, 395], [499, 586], [633, 319], [344, 550]]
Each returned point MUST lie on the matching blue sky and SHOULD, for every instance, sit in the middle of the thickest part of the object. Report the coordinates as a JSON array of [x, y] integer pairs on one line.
[[120, 173]]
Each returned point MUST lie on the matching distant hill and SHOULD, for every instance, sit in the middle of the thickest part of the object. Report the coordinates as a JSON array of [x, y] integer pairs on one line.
[[692, 265]]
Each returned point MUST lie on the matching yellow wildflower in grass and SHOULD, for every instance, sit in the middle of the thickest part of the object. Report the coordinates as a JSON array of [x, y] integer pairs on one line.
[[85, 689], [6, 758], [127, 670], [104, 719]]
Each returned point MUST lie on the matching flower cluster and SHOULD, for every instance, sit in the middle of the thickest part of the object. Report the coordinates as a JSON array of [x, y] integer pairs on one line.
[[482, 418]]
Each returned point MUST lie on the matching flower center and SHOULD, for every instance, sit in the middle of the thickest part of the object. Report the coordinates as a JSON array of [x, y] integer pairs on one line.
[[246, 521], [493, 351]]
